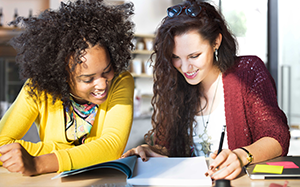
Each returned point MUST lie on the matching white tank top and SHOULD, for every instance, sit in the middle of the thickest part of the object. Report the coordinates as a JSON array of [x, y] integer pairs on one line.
[[214, 129]]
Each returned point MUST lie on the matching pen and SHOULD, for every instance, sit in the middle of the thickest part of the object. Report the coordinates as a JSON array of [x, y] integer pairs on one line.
[[222, 139], [220, 148]]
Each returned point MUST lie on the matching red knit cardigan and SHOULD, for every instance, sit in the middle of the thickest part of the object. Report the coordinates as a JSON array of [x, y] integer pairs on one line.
[[251, 108]]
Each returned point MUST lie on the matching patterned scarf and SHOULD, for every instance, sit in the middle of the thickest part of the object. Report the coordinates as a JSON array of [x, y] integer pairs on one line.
[[79, 121]]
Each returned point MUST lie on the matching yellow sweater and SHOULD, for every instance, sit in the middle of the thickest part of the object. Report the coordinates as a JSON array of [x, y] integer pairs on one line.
[[106, 141]]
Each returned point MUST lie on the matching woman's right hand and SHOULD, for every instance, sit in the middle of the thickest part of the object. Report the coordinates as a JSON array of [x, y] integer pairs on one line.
[[15, 158], [143, 151]]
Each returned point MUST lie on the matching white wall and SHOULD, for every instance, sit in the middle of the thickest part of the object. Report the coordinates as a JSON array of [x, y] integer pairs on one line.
[[148, 14], [254, 41], [289, 57]]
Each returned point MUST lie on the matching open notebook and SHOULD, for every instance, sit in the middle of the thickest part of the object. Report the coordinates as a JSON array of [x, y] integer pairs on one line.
[[175, 171], [290, 169], [171, 171]]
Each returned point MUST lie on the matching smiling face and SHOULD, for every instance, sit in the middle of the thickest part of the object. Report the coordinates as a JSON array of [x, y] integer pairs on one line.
[[193, 57], [91, 80]]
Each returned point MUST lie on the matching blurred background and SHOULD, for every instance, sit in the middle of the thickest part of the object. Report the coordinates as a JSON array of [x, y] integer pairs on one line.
[[266, 28]]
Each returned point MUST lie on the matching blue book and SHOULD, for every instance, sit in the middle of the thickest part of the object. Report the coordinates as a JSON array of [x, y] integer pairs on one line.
[[125, 165]]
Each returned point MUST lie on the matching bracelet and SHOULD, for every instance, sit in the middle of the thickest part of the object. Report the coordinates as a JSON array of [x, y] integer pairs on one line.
[[249, 156]]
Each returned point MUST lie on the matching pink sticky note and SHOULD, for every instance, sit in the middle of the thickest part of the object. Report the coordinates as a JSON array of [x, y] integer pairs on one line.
[[285, 164], [279, 185], [275, 185]]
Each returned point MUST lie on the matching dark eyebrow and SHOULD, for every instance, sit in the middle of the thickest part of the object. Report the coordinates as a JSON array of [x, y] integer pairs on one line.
[[173, 54], [195, 53], [107, 66], [90, 75]]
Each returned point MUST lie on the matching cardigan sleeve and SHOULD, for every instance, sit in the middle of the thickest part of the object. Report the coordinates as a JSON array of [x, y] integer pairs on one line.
[[263, 117], [26, 111], [112, 128], [17, 120]]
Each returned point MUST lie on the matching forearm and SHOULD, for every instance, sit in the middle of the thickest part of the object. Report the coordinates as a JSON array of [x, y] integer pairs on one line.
[[15, 158], [46, 163], [263, 149]]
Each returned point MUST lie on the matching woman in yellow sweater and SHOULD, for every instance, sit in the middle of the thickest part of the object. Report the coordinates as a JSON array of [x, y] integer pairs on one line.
[[78, 92]]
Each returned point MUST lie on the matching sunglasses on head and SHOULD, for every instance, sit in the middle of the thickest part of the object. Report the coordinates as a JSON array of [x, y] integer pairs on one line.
[[192, 10]]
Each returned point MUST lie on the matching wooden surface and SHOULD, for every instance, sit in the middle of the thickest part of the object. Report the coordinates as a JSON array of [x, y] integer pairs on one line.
[[110, 178]]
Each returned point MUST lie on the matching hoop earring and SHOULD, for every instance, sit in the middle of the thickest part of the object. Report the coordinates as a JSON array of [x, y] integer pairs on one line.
[[216, 55]]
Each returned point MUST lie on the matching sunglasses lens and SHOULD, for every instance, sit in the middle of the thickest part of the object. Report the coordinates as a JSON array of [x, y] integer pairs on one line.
[[174, 11], [193, 11]]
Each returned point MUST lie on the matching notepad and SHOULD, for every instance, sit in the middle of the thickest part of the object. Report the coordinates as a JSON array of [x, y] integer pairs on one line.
[[270, 168], [285, 164], [262, 168]]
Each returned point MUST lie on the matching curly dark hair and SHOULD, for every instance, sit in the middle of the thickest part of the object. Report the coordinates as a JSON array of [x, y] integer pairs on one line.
[[52, 38], [175, 102]]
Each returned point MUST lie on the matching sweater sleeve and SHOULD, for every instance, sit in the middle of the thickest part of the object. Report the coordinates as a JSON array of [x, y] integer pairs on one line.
[[264, 116], [17, 120], [110, 131]]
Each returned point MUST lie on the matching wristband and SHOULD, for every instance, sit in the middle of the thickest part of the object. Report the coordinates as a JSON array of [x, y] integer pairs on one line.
[[249, 156]]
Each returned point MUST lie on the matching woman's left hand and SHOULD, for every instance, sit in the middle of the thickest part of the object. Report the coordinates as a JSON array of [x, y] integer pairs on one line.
[[16, 159], [227, 165]]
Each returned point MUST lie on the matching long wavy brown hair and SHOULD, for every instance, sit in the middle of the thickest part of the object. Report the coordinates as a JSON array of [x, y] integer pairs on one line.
[[175, 102]]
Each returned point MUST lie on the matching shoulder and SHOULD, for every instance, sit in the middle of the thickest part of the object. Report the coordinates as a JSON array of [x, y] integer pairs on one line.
[[246, 64], [29, 101], [123, 80], [249, 70], [33, 97], [122, 89], [249, 60], [125, 75]]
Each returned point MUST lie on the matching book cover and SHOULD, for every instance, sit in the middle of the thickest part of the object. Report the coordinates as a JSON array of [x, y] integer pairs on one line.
[[125, 165]]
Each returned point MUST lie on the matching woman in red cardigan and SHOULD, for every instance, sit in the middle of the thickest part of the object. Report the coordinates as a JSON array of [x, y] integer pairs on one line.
[[200, 85]]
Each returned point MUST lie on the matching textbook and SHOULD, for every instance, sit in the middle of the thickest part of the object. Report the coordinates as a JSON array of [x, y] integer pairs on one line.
[[179, 171]]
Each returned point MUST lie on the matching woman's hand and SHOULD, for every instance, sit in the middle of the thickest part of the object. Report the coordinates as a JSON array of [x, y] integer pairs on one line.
[[143, 151], [227, 164], [16, 159], [231, 162]]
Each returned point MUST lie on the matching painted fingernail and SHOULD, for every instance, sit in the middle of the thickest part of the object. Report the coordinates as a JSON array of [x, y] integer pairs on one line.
[[143, 159], [206, 174], [212, 167]]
